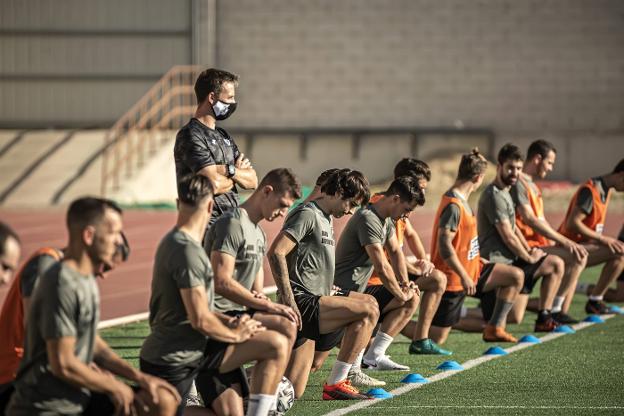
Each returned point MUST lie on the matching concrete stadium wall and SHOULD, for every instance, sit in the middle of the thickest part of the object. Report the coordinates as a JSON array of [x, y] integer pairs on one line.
[[532, 66], [85, 62]]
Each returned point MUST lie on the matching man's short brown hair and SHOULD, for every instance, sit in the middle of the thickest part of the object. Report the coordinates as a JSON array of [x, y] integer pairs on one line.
[[212, 80], [282, 180]]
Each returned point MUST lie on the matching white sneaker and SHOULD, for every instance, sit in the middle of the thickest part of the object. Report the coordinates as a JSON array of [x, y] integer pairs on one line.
[[384, 363], [358, 378]]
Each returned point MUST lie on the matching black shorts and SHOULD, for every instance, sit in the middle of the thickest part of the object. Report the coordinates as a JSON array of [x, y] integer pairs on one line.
[[382, 296], [100, 404], [529, 273], [250, 312], [210, 383], [310, 311], [6, 390], [449, 310]]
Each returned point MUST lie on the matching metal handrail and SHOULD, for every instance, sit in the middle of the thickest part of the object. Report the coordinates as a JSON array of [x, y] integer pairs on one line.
[[126, 142]]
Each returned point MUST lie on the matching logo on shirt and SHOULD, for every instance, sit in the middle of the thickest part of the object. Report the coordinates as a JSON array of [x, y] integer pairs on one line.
[[326, 239], [599, 228], [474, 248], [227, 142], [214, 141]]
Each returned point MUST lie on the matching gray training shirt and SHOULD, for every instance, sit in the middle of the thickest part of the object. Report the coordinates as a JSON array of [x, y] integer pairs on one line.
[[311, 263], [495, 205], [353, 266], [64, 304], [181, 263], [236, 235]]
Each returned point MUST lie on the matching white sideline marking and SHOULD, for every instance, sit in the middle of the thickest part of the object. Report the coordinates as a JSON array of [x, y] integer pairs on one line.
[[468, 364], [435, 406], [269, 290]]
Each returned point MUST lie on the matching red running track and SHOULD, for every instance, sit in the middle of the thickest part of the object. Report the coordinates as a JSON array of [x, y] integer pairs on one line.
[[126, 290]]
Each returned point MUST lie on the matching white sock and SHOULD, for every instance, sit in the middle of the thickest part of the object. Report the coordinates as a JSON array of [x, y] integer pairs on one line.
[[357, 364], [378, 347], [260, 404], [595, 298], [339, 372], [557, 304]]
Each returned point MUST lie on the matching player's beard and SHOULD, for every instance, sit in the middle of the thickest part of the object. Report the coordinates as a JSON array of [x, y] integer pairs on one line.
[[509, 180]]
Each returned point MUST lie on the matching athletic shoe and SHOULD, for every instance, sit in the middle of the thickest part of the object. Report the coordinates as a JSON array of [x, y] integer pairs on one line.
[[493, 333], [548, 325], [427, 346], [343, 390], [563, 318], [597, 307], [358, 378], [384, 363]]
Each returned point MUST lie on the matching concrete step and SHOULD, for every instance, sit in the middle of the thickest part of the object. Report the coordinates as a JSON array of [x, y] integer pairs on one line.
[[39, 188]]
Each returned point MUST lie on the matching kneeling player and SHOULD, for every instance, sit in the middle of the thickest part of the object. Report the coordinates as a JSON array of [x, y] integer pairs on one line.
[[67, 368], [361, 248], [584, 223], [302, 260], [501, 242], [188, 341], [455, 251], [237, 245]]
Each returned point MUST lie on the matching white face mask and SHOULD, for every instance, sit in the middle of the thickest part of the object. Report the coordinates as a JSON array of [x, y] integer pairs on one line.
[[223, 110]]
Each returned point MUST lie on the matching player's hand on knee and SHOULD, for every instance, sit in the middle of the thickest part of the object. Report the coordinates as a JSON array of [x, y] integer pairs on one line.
[[535, 255], [616, 246], [286, 311], [408, 293], [426, 267], [122, 397], [469, 286], [247, 329], [152, 385]]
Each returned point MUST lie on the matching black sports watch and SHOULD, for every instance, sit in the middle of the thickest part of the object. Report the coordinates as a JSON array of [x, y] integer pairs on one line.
[[231, 170]]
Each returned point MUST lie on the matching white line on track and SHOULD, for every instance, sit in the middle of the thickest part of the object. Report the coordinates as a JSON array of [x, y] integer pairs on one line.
[[269, 290], [446, 374]]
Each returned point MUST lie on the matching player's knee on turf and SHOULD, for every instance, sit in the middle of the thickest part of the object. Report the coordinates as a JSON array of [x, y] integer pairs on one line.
[[516, 315]]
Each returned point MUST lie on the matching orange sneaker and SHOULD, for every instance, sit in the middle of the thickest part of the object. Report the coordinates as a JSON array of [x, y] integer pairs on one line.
[[343, 390], [493, 333]]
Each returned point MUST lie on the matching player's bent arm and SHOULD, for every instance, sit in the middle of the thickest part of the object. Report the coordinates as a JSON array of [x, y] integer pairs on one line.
[[227, 286], [539, 225], [414, 242], [511, 240], [384, 269], [280, 248], [397, 260], [107, 359], [65, 365], [575, 224], [448, 253], [202, 319], [217, 175]]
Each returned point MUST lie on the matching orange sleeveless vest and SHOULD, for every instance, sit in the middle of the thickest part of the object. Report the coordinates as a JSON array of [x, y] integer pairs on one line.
[[12, 322], [375, 280], [534, 239], [465, 243], [595, 220]]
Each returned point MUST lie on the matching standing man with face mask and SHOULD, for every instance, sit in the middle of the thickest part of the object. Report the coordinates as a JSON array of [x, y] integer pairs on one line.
[[205, 149]]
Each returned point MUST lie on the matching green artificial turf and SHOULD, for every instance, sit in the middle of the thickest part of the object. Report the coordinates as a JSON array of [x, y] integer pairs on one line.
[[581, 373]]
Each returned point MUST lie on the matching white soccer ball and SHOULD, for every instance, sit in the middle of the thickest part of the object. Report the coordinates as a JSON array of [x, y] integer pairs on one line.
[[285, 397]]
